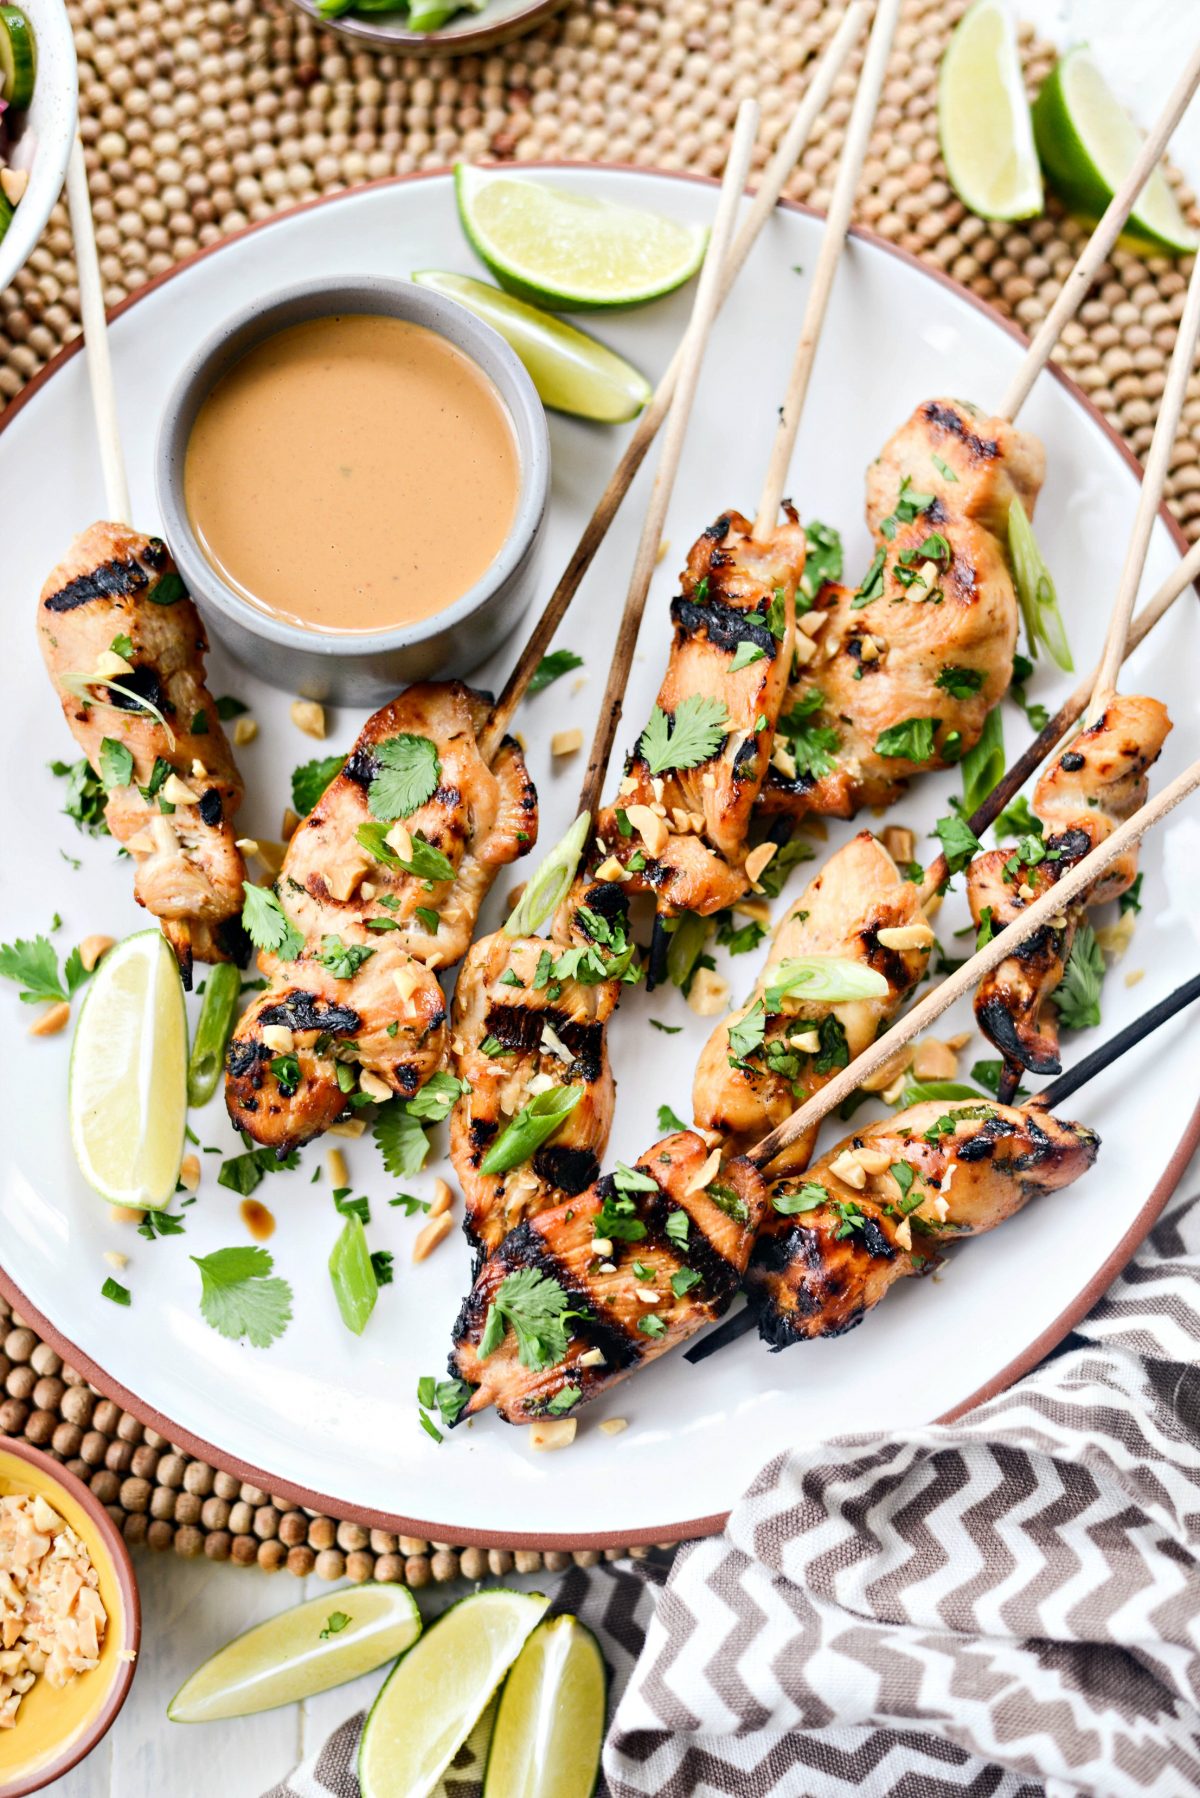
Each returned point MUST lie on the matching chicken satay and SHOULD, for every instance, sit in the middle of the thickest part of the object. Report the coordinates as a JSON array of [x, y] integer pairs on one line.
[[381, 884], [975, 465], [529, 1019], [581, 1296], [887, 1199], [125, 648], [778, 1049], [1087, 791], [681, 820], [897, 678]]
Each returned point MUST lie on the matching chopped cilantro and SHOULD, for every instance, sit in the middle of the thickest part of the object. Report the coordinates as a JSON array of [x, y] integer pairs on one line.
[[238, 1296], [692, 735], [552, 668], [409, 772]]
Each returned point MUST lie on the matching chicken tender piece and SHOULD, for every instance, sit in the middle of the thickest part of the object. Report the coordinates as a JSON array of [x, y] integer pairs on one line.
[[125, 648], [974, 464]]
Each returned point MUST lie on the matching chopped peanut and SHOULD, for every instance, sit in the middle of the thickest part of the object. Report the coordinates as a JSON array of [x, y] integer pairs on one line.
[[52, 1020], [705, 1174], [244, 731], [650, 827], [933, 1060], [602, 1245], [552, 1432], [335, 1167], [115, 1259], [279, 1038], [1136, 974], [373, 1086], [883, 1076], [900, 843], [442, 1199], [435, 1231], [758, 909], [309, 716], [92, 948], [109, 663], [708, 994], [848, 1169], [904, 1233], [177, 792], [758, 858], [906, 936], [348, 1127], [612, 1426], [566, 742], [189, 1172], [647, 1295], [125, 1214], [592, 1357], [873, 1161], [399, 838], [611, 869]]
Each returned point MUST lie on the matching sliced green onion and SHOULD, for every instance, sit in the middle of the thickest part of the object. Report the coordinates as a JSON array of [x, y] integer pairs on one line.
[[212, 1032], [355, 1286], [686, 946], [533, 1125], [983, 766], [1035, 590], [918, 1091], [550, 882], [830, 979]]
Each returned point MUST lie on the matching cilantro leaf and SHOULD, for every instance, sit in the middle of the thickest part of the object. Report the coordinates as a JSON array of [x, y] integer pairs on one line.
[[228, 707], [310, 780], [113, 1289], [238, 1298], [1078, 997], [958, 840], [746, 654], [807, 1197], [409, 772], [34, 966], [437, 1098], [912, 739], [85, 796], [959, 682], [746, 1036], [334, 1624], [693, 735], [552, 668], [426, 861], [1132, 899], [116, 764], [1019, 820], [739, 939], [537, 1309], [400, 1140], [822, 561], [678, 1228], [668, 1120], [267, 924], [343, 960], [242, 1173]]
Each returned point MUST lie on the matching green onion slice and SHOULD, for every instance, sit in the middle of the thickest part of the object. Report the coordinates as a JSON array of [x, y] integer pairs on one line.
[[533, 1125], [1035, 590], [829, 979], [549, 883]]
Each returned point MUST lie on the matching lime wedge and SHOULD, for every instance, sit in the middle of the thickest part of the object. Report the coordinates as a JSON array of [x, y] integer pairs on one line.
[[568, 251], [983, 117], [550, 1724], [18, 58], [571, 371], [329, 1640], [1087, 142], [127, 1096], [430, 1703]]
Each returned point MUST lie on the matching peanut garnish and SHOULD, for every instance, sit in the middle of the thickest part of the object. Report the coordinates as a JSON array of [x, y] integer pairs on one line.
[[92, 948], [244, 731], [708, 994], [552, 1432], [566, 742], [435, 1231], [309, 716], [906, 936], [442, 1199], [705, 1174], [650, 827], [52, 1020], [848, 1169]]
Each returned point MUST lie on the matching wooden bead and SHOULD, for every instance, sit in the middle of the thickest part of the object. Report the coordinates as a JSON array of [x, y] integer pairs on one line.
[[300, 1560], [39, 1428], [444, 1564], [188, 1507], [293, 1528], [389, 1569], [66, 1440], [322, 1533], [171, 1470], [13, 1413], [217, 1544], [416, 1571], [360, 1566], [214, 1513], [135, 1529], [330, 1564], [244, 1550], [271, 1555], [145, 1462], [473, 1563], [159, 1535], [198, 1478], [135, 1495], [241, 1518], [352, 1536], [189, 1542], [225, 1486]]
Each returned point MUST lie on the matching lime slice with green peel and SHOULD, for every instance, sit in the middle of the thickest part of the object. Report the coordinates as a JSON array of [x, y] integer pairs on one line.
[[127, 1096], [431, 1702], [569, 251], [571, 371], [1087, 143], [331, 1639], [983, 117], [550, 1724], [18, 58]]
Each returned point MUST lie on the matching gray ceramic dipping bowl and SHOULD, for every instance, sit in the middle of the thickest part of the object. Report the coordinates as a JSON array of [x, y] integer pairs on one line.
[[360, 668]]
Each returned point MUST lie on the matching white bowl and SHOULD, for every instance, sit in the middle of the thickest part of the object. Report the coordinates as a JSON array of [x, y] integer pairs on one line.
[[43, 136]]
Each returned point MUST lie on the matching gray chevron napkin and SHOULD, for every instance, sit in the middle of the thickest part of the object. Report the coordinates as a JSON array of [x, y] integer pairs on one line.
[[1007, 1606]]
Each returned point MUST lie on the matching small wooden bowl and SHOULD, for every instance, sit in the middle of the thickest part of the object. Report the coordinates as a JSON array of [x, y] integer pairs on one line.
[[464, 36], [56, 1729]]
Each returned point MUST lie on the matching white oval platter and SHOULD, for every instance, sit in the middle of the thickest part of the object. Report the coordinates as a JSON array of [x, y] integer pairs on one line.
[[330, 1419]]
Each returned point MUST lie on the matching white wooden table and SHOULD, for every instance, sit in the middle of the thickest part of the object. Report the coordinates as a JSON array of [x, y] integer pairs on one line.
[[192, 1607]]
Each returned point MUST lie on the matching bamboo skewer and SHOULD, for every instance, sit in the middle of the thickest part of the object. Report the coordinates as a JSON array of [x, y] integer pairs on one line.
[[837, 225], [95, 339], [695, 342], [1078, 282], [762, 206], [1051, 904], [1153, 481]]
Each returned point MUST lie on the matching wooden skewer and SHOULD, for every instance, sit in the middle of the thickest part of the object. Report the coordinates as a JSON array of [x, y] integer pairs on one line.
[[1079, 281], [1068, 714], [837, 225], [762, 206], [1153, 480], [695, 342], [95, 338], [1051, 904]]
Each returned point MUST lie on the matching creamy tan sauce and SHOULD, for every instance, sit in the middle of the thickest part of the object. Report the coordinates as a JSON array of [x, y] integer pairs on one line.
[[352, 474]]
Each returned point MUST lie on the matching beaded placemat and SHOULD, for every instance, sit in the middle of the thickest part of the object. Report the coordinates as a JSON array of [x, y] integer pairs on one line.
[[200, 116]]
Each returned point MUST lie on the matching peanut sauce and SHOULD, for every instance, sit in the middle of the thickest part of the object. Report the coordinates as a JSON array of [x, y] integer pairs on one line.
[[352, 473], [257, 1219]]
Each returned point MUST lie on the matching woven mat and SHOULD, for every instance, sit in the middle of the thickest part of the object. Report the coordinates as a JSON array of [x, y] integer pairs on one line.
[[199, 118]]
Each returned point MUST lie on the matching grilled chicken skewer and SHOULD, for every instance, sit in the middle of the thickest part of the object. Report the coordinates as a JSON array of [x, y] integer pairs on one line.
[[125, 648], [380, 886], [528, 1030]]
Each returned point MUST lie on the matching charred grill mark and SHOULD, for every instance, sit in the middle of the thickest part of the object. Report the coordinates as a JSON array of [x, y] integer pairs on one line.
[[244, 1060], [718, 531], [305, 1011], [231, 935], [482, 1132], [569, 1171], [361, 768], [407, 1076], [982, 1146], [519, 1029], [526, 1247], [1044, 945], [985, 448], [888, 962], [142, 684], [747, 753], [1071, 762], [210, 809], [156, 555], [999, 1027], [721, 1277], [1072, 845], [112, 580], [608, 901], [724, 625]]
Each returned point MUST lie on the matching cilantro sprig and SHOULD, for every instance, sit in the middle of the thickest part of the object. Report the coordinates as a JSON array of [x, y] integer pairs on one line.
[[33, 964], [692, 735], [240, 1297]]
